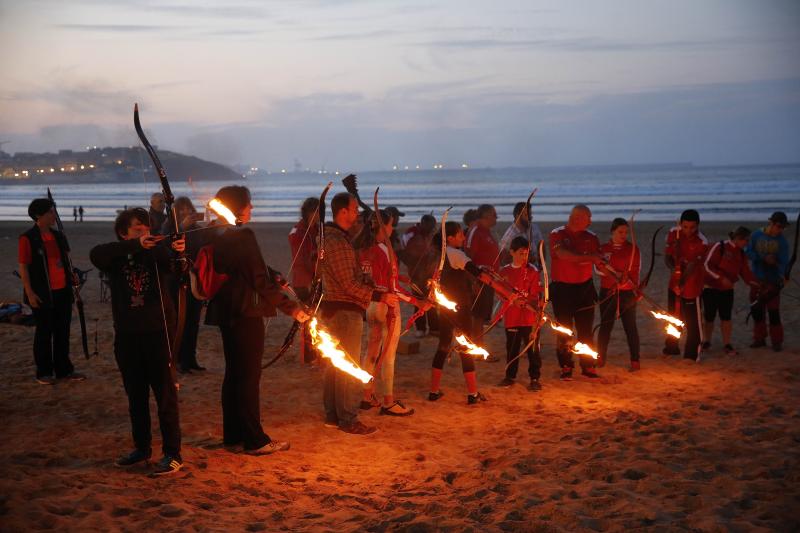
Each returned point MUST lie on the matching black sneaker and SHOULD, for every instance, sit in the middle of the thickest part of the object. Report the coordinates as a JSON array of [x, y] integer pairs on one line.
[[706, 346], [758, 343], [169, 464], [136, 456], [359, 429], [433, 396], [506, 382], [476, 398], [566, 373], [74, 376], [535, 386], [366, 405], [671, 351], [269, 448], [730, 350], [46, 380]]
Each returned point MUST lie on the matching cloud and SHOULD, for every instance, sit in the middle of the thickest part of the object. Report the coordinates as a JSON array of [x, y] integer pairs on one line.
[[119, 28]]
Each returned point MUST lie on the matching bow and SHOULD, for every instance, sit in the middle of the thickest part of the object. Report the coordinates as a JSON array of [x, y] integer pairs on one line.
[[316, 284], [646, 279], [433, 282], [787, 276], [182, 262], [76, 284]]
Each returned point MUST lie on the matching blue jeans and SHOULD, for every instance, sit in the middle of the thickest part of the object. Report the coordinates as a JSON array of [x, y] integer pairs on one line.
[[341, 394]]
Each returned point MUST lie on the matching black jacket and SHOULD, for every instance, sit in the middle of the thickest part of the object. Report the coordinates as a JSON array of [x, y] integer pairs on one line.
[[135, 276], [249, 290], [37, 270]]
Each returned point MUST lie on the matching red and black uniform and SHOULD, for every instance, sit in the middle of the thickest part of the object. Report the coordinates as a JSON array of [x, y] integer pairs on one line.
[[420, 259], [519, 321], [484, 251], [724, 261], [144, 323], [44, 254], [572, 290], [303, 243], [619, 300], [685, 286]]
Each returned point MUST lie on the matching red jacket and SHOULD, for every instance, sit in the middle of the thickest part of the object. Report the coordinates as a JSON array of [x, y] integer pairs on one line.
[[619, 257], [724, 260], [526, 279], [304, 253], [482, 248], [688, 254], [581, 242]]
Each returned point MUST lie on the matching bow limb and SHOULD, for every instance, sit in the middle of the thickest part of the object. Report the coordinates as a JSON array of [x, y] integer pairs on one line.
[[633, 242], [646, 279], [316, 284], [545, 277], [392, 315], [74, 283], [788, 272], [182, 262]]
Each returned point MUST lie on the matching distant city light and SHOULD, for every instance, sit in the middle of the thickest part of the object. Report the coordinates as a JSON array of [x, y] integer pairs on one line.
[[464, 165]]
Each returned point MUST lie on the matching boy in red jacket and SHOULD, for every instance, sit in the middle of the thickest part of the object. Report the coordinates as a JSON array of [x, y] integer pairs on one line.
[[520, 320], [725, 263]]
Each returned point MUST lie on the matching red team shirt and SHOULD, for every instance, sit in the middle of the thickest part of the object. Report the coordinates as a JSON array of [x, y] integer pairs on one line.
[[55, 267], [687, 251], [526, 279], [482, 248], [619, 257], [582, 242], [724, 260], [304, 250]]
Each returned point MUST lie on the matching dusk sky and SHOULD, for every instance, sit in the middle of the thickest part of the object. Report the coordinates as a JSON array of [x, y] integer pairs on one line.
[[369, 84]]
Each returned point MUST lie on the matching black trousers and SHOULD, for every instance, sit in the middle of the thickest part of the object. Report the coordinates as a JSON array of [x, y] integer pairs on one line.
[[573, 305], [243, 344], [188, 351], [447, 325], [143, 360], [516, 339], [608, 316], [688, 310], [51, 339]]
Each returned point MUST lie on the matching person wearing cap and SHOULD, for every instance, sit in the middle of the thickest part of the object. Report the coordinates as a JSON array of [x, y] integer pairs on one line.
[[769, 254], [725, 263], [46, 283]]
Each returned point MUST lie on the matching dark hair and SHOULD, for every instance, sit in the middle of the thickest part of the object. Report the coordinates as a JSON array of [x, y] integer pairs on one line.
[[617, 222], [340, 201], [519, 242], [309, 207], [483, 209], [184, 201], [740, 233], [470, 216], [235, 197], [451, 227], [519, 207], [39, 207], [126, 218], [690, 215]]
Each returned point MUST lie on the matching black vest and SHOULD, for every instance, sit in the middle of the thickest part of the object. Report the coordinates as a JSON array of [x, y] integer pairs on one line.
[[37, 270]]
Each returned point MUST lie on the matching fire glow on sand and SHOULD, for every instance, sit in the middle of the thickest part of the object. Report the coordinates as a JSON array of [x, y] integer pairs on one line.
[[329, 348]]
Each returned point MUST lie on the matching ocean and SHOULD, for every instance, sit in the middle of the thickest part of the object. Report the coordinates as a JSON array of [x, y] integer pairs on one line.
[[734, 193]]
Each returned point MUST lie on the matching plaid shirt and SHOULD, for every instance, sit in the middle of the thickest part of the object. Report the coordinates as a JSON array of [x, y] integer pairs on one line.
[[342, 278]]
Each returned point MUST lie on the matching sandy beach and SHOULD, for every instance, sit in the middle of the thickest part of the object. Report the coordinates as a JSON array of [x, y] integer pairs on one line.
[[713, 446]]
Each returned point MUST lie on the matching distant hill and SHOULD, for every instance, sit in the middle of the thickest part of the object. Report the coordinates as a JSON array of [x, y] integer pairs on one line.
[[104, 165]]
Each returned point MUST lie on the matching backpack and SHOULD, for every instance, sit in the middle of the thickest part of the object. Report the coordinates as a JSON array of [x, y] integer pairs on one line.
[[205, 280]]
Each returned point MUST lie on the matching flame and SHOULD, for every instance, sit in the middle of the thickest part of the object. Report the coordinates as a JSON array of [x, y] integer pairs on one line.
[[329, 348], [443, 300], [472, 349], [672, 330], [222, 210], [671, 319], [560, 329], [584, 349]]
